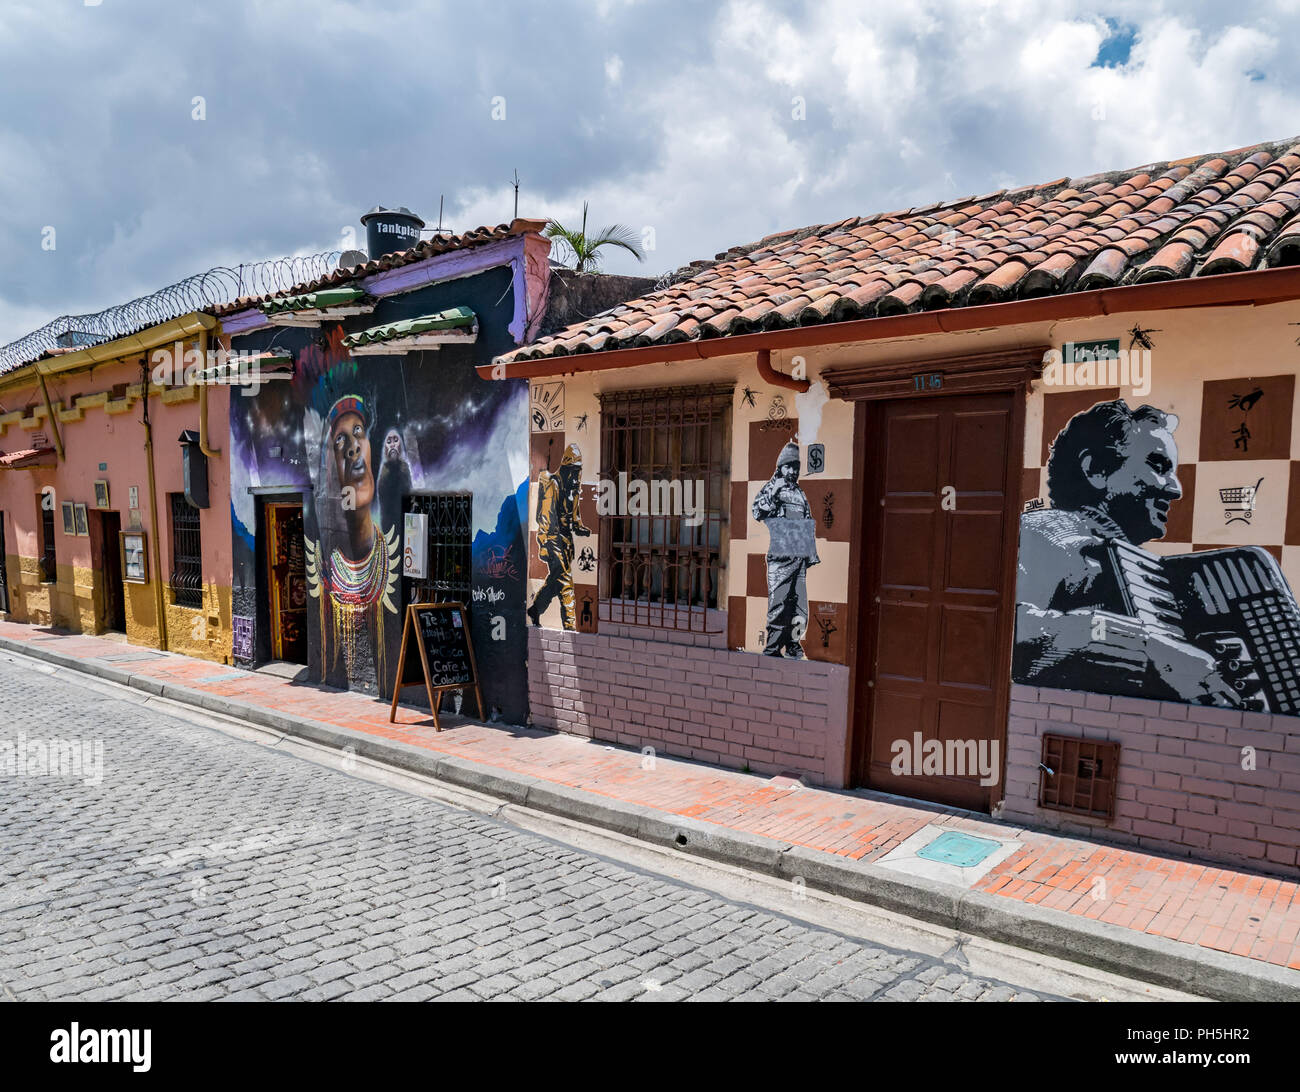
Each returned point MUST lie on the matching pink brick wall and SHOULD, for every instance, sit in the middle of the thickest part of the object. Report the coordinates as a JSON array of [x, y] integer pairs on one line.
[[689, 696], [1181, 784]]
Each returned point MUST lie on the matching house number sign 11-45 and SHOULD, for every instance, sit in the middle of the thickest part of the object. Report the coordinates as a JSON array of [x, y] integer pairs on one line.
[[930, 381]]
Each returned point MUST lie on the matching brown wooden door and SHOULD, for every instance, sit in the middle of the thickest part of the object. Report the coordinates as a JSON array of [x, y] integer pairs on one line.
[[110, 564], [286, 563], [4, 576], [940, 539]]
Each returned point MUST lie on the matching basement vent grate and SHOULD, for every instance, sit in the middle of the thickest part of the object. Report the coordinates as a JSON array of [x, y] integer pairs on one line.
[[1078, 776]]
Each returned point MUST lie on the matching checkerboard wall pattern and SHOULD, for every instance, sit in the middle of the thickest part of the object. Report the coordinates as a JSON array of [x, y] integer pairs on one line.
[[1239, 463], [763, 420]]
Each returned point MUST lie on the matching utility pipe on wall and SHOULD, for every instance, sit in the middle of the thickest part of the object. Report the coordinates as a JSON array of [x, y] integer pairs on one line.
[[778, 379], [153, 508], [49, 409], [210, 452]]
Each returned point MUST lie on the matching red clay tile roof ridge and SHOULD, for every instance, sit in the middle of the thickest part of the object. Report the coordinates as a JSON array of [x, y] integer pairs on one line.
[[1196, 216]]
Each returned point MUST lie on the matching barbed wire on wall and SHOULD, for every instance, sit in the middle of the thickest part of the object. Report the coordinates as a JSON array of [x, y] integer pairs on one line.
[[218, 286]]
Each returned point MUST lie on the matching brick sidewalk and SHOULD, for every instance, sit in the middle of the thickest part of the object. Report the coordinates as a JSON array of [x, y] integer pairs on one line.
[[1217, 908]]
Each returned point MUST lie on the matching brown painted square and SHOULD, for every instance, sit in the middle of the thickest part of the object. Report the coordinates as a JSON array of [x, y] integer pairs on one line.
[[1268, 419], [756, 574], [1060, 406], [766, 439], [1276, 551], [832, 506], [735, 621], [537, 570], [1030, 478], [587, 512], [585, 611], [1292, 536], [545, 450], [1182, 510], [739, 510], [825, 639]]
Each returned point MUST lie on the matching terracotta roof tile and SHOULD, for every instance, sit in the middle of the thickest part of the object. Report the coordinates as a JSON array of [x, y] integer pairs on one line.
[[1234, 253], [1170, 262], [1189, 218]]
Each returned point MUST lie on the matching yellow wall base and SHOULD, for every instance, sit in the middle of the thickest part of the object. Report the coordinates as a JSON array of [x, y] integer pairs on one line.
[[76, 602]]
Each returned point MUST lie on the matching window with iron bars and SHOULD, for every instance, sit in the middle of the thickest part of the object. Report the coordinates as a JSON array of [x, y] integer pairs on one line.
[[450, 568], [657, 567], [187, 553], [49, 560]]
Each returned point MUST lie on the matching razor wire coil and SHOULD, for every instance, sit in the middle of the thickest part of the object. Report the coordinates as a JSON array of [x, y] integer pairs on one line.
[[216, 287]]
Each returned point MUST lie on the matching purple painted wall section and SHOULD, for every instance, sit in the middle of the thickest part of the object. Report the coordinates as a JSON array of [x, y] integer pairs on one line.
[[526, 255], [244, 321]]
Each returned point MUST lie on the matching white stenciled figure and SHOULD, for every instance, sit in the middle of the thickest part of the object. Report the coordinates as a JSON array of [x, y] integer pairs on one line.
[[792, 546]]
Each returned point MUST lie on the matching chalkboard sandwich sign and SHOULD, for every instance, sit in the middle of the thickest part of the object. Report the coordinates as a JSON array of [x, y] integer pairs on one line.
[[437, 651]]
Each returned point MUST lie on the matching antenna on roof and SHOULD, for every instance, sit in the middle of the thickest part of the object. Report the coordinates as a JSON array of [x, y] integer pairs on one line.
[[439, 214], [516, 184]]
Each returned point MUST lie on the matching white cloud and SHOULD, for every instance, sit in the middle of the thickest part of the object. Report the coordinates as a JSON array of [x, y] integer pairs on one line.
[[685, 127]]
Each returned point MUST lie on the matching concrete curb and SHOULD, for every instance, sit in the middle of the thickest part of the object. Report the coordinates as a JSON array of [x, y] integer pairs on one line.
[[1153, 959]]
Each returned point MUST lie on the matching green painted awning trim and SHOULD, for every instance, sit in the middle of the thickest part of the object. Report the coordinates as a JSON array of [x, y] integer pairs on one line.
[[451, 319], [325, 297]]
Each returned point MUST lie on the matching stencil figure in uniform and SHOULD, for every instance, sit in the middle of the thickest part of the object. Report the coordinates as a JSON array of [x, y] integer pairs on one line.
[[557, 522], [792, 546]]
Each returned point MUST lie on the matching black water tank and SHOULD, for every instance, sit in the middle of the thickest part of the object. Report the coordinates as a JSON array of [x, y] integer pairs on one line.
[[389, 230], [195, 467]]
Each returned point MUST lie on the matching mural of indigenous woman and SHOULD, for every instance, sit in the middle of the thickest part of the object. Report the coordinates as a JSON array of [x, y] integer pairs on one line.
[[352, 570]]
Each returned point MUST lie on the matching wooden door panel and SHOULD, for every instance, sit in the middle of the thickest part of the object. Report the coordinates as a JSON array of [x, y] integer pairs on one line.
[[909, 627], [905, 716], [902, 565], [979, 461], [974, 552], [966, 635], [959, 721], [941, 505], [918, 433]]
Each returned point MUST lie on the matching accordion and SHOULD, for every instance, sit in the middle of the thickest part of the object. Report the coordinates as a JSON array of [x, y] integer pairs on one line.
[[1234, 604]]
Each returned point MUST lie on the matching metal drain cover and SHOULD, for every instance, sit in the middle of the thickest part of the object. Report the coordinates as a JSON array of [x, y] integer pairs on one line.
[[955, 848]]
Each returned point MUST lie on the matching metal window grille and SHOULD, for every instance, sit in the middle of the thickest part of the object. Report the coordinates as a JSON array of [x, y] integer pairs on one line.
[[450, 568], [1078, 775], [187, 553], [49, 561], [657, 569]]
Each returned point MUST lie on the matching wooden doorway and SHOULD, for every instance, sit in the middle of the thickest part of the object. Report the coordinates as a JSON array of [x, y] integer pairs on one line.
[[286, 565], [4, 575], [941, 483], [108, 554]]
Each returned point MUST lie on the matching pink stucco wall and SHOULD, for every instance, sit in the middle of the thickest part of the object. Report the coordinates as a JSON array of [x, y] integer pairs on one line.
[[116, 440]]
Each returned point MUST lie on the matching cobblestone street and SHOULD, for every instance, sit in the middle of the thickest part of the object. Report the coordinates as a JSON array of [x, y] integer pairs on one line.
[[206, 867]]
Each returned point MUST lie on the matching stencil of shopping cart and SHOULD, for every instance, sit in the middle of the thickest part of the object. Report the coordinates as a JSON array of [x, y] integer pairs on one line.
[[1239, 502]]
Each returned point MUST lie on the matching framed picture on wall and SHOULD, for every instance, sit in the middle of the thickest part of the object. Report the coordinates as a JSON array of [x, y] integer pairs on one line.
[[69, 527], [81, 519], [101, 493], [135, 562]]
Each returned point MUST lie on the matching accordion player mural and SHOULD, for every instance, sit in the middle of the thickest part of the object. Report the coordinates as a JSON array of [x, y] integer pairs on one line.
[[1104, 606]]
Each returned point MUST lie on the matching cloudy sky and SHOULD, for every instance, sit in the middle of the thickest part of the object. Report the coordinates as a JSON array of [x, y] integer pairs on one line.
[[159, 139]]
